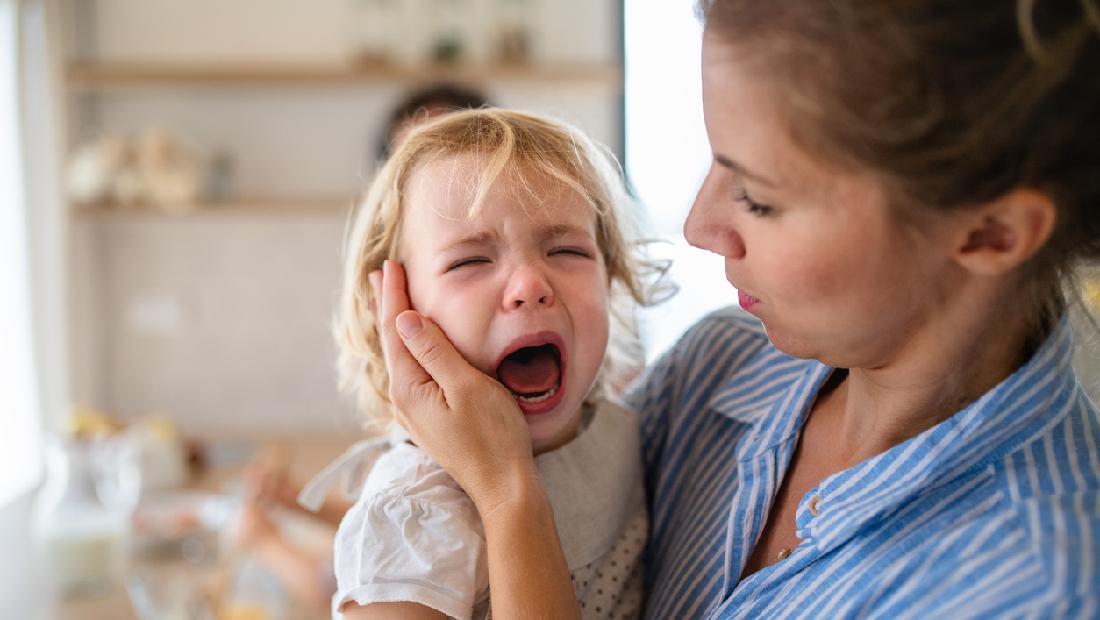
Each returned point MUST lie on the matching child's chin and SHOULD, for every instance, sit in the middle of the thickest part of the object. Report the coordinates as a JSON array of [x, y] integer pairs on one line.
[[552, 430]]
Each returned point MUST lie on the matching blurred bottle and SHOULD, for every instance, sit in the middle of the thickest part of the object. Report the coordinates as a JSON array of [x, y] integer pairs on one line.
[[82, 515]]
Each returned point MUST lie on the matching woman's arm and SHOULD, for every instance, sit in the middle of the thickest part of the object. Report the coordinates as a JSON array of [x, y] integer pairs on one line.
[[528, 576], [472, 427], [396, 611]]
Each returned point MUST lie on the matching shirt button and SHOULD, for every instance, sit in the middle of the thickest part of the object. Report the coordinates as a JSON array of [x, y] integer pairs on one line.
[[814, 509]]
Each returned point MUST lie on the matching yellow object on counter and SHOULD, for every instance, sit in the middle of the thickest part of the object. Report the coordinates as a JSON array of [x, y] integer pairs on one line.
[[88, 422], [159, 427]]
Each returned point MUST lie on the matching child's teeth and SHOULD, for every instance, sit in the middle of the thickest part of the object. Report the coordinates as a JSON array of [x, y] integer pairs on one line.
[[538, 399]]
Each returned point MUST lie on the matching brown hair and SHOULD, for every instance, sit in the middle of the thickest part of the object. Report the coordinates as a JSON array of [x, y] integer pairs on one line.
[[952, 103], [504, 141]]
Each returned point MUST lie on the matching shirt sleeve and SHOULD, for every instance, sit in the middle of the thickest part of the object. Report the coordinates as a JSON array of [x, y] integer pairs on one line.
[[416, 537]]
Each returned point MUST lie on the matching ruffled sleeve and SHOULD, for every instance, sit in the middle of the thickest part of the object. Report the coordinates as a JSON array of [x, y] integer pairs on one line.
[[413, 535]]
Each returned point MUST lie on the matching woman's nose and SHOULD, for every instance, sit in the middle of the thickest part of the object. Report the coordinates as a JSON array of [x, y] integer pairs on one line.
[[709, 225], [528, 287]]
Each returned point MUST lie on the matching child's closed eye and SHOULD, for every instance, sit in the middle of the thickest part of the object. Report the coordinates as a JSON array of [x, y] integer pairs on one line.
[[570, 251], [466, 262]]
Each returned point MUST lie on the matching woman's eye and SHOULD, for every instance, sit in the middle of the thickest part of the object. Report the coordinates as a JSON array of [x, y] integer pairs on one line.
[[465, 262], [571, 251], [756, 208]]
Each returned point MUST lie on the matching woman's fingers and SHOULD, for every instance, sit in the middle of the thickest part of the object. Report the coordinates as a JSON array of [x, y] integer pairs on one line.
[[434, 353], [392, 300], [468, 422]]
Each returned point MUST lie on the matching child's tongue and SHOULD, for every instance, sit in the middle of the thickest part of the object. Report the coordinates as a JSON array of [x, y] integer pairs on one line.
[[530, 371]]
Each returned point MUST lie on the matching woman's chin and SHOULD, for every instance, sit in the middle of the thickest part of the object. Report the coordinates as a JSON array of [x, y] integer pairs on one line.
[[792, 346]]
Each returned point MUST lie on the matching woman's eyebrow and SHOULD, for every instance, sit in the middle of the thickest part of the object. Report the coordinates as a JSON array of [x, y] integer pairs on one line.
[[726, 162]]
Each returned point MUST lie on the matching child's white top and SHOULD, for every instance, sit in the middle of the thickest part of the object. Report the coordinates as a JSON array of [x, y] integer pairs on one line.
[[414, 535]]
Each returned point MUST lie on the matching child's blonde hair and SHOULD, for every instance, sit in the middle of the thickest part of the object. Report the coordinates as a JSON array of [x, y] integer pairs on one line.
[[504, 141]]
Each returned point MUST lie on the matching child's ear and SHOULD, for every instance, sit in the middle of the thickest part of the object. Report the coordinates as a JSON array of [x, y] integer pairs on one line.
[[999, 236]]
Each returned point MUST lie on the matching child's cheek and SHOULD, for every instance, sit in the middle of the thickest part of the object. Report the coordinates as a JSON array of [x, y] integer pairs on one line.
[[459, 312], [431, 294]]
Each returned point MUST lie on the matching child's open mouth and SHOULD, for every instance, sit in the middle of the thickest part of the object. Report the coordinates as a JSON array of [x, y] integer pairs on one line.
[[534, 376]]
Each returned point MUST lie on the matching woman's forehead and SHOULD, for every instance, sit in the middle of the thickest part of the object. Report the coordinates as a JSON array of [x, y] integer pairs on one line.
[[750, 122]]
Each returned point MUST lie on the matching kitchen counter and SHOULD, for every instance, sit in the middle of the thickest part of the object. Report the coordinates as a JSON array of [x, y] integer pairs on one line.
[[25, 591]]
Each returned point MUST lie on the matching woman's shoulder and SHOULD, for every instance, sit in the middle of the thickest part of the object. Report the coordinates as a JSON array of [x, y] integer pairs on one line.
[[725, 346], [1052, 541], [1051, 487], [727, 322], [720, 334]]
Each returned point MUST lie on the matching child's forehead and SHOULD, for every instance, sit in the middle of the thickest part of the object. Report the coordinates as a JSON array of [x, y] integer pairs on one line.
[[464, 172], [447, 187]]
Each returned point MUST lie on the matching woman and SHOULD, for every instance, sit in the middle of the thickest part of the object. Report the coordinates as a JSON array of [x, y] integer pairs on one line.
[[900, 191]]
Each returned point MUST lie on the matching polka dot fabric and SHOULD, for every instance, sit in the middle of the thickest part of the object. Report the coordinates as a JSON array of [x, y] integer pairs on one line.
[[611, 587]]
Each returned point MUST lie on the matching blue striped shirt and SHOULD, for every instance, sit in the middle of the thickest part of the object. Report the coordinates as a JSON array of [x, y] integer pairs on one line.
[[994, 512]]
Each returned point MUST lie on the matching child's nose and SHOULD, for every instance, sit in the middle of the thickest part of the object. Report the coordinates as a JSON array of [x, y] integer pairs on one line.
[[528, 287]]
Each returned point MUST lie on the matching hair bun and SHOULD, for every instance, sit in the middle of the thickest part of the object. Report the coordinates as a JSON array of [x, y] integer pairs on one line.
[[1092, 13]]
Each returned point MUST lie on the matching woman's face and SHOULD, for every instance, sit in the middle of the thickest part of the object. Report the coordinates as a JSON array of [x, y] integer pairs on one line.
[[813, 250]]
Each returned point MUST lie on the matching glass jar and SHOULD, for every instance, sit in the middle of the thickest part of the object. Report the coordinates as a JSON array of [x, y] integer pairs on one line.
[[82, 514]]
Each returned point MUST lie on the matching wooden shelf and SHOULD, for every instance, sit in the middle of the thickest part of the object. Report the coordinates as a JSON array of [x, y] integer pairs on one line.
[[100, 76], [251, 207]]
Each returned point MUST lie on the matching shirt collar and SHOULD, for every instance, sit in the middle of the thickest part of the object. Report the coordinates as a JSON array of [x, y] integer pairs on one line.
[[773, 393], [1018, 410]]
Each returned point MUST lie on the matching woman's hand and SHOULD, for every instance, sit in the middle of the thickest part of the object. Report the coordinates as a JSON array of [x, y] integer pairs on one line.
[[467, 421], [471, 425]]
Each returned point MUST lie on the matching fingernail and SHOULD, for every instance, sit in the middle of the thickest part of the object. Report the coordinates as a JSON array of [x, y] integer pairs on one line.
[[409, 324]]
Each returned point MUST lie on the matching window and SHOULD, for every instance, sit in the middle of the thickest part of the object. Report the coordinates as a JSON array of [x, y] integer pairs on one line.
[[667, 155], [19, 406]]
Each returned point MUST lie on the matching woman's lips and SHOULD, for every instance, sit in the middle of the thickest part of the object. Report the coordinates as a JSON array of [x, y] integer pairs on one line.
[[747, 301]]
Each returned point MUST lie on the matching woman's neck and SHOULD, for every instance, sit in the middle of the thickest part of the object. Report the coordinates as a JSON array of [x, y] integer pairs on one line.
[[948, 364]]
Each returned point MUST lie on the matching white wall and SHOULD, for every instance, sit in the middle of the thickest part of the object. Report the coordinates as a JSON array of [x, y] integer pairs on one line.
[[220, 321]]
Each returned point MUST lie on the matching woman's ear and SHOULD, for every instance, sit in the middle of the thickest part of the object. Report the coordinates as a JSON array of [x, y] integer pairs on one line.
[[999, 236]]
